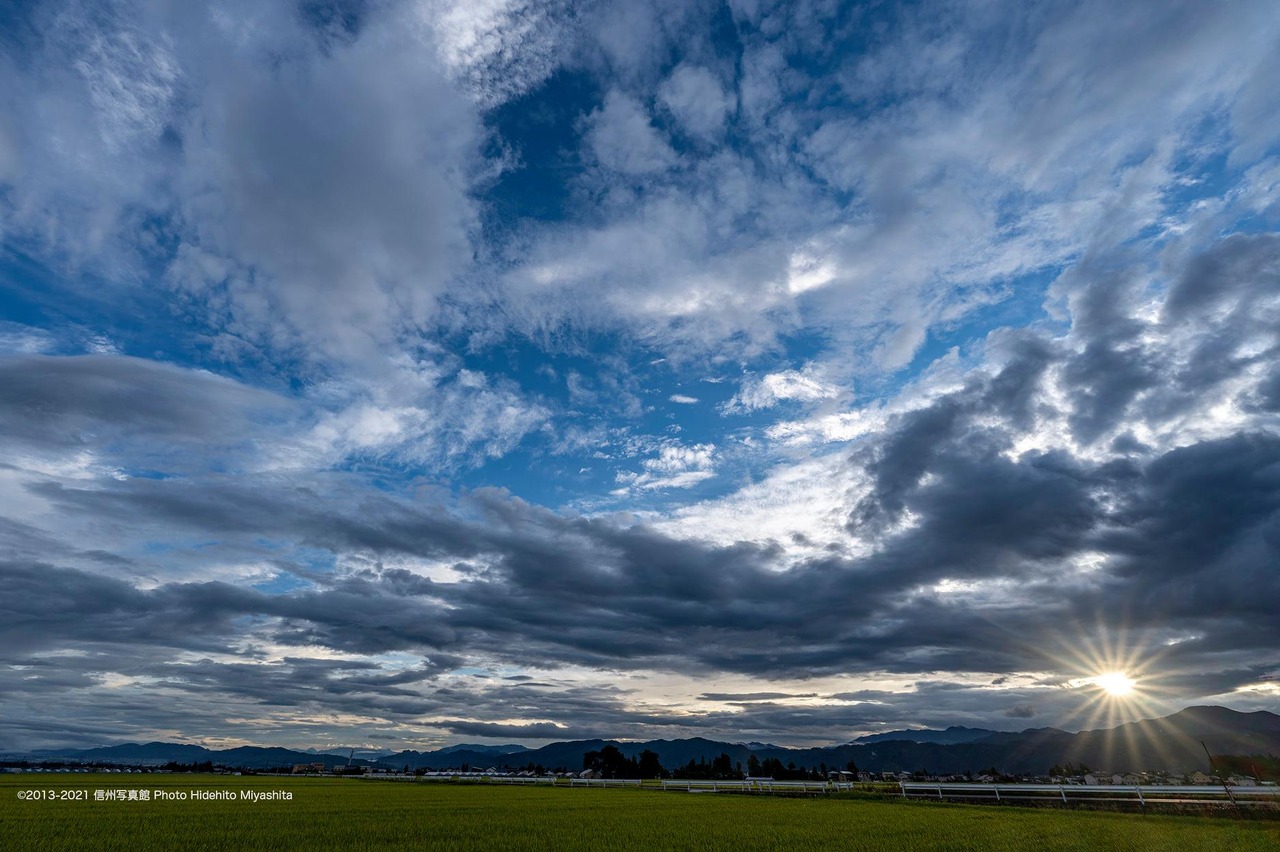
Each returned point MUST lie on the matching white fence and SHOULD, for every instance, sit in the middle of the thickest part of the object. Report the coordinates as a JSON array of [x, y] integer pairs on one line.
[[604, 782], [1141, 795], [480, 779], [755, 785]]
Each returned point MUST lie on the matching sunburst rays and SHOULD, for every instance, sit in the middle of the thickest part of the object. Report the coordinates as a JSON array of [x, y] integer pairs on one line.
[[1120, 674]]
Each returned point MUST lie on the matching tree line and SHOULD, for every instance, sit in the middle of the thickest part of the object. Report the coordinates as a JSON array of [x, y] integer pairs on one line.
[[610, 762]]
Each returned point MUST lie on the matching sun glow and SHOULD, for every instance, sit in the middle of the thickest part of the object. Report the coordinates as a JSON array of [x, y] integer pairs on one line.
[[1117, 684], [1118, 674]]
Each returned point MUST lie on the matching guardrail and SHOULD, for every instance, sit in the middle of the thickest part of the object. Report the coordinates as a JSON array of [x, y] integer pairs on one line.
[[1140, 794], [604, 782]]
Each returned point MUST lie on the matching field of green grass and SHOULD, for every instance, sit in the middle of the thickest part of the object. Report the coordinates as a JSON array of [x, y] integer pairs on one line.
[[351, 814]]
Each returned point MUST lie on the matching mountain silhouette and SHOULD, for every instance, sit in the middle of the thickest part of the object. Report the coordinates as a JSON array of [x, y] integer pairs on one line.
[[1171, 743]]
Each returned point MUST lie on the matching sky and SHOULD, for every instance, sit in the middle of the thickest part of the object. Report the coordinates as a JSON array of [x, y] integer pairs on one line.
[[396, 373]]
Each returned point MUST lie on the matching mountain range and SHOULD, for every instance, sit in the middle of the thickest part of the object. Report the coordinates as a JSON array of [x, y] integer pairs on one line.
[[1170, 743], [949, 736]]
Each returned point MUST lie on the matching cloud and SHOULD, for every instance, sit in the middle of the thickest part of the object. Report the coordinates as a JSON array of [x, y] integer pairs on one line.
[[17, 339], [988, 171], [770, 389], [1005, 322], [338, 214], [295, 199], [534, 730], [107, 402], [697, 99], [751, 696], [499, 49], [675, 466], [623, 138], [426, 417]]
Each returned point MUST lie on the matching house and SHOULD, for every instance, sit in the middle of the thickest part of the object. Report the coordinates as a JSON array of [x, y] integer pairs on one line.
[[1199, 777]]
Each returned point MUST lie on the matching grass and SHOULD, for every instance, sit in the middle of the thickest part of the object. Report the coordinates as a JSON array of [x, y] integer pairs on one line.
[[351, 814]]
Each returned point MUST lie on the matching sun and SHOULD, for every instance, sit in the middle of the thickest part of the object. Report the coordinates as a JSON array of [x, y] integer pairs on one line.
[[1117, 684]]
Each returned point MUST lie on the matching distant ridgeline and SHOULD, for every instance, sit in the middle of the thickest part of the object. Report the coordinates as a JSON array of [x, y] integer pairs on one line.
[[1171, 744]]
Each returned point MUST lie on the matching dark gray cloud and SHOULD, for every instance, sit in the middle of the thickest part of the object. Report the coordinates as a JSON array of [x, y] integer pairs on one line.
[[535, 731], [110, 402], [752, 696]]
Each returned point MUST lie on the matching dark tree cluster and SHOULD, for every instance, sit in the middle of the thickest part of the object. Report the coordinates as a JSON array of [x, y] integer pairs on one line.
[[721, 768], [205, 766], [610, 762], [772, 767], [1261, 767]]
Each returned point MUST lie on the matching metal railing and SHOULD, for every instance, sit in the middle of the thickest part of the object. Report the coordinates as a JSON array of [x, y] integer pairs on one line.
[[1139, 794]]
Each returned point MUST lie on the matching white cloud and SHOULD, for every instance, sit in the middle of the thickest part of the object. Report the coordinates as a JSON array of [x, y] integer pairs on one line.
[[419, 416], [341, 210], [675, 466], [944, 375], [807, 385], [991, 167], [682, 399], [803, 505], [132, 77], [623, 138], [318, 194], [697, 99], [25, 340], [497, 49]]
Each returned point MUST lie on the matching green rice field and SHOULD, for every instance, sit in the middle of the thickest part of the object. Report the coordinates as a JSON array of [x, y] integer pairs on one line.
[[60, 811]]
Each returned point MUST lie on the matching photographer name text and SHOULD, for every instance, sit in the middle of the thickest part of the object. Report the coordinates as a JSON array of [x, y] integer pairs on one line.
[[156, 795]]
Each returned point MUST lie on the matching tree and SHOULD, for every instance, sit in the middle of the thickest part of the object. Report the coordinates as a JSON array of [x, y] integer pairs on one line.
[[649, 765], [753, 766], [772, 767], [722, 767], [611, 763]]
